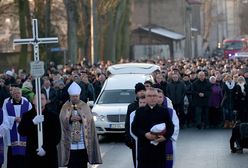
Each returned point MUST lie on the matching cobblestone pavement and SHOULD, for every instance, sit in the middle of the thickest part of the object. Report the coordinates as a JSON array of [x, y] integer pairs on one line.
[[208, 148]]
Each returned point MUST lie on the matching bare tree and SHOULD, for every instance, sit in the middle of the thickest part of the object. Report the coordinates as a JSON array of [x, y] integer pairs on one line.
[[72, 20], [25, 30], [243, 19], [207, 19], [114, 33], [111, 28]]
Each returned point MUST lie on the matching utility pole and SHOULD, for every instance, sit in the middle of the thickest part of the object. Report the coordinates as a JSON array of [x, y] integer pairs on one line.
[[188, 21], [225, 7], [150, 29], [92, 32]]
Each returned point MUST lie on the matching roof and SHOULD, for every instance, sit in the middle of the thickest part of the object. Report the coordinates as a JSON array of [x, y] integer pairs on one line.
[[232, 40], [164, 32], [125, 81], [194, 2], [135, 68]]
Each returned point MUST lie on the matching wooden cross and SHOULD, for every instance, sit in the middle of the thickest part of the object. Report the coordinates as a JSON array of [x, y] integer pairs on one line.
[[35, 41]]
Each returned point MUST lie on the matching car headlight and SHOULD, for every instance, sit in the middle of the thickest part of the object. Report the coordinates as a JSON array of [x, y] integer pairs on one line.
[[229, 55], [97, 117]]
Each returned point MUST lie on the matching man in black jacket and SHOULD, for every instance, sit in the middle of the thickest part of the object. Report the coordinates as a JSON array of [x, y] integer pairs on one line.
[[51, 96], [46, 156], [201, 93], [150, 155], [140, 91], [176, 91]]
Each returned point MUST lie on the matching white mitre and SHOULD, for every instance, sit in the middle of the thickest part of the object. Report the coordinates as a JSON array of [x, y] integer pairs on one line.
[[74, 89]]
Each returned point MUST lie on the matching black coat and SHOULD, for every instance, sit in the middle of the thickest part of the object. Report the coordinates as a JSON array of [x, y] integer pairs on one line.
[[176, 92], [201, 87], [97, 87], [61, 98], [229, 97], [189, 90], [53, 105], [51, 137], [241, 103], [145, 118], [4, 93], [87, 92]]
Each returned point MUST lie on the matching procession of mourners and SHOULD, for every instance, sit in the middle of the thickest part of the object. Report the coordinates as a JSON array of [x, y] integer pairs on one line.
[[202, 93]]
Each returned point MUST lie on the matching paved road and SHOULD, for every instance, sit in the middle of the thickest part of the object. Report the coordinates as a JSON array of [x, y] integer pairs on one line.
[[195, 149], [207, 149], [114, 153]]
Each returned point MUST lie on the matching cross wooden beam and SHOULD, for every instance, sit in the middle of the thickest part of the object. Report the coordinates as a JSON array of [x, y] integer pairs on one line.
[[38, 68]]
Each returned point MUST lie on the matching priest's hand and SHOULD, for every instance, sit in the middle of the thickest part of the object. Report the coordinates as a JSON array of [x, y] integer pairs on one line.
[[41, 152], [38, 119], [18, 119], [150, 136], [160, 138], [76, 118]]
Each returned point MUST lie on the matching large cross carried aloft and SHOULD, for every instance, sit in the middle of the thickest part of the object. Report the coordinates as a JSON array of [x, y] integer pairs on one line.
[[37, 68]]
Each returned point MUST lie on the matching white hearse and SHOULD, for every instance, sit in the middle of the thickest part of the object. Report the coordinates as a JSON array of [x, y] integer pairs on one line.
[[110, 108]]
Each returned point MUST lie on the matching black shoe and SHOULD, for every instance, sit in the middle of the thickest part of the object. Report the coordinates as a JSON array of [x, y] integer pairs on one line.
[[239, 150], [199, 127], [234, 150]]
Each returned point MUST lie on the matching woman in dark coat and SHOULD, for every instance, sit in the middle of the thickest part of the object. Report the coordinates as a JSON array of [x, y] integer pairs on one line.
[[228, 101], [215, 99], [51, 137], [241, 99]]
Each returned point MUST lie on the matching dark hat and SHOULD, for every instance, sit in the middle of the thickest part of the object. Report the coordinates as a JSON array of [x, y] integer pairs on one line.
[[193, 72], [7, 82], [186, 75], [148, 82], [139, 87]]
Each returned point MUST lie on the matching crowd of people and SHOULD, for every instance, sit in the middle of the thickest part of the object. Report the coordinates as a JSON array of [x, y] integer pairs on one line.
[[205, 92]]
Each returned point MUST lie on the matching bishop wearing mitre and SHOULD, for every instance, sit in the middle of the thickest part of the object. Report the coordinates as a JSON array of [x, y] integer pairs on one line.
[[79, 143]]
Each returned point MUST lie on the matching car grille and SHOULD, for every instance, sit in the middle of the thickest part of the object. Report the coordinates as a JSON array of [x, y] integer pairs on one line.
[[115, 129], [116, 118]]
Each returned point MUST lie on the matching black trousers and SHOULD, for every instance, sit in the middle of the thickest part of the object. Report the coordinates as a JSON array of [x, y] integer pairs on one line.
[[134, 155], [214, 116], [78, 159], [15, 161], [180, 113], [144, 164], [235, 138]]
